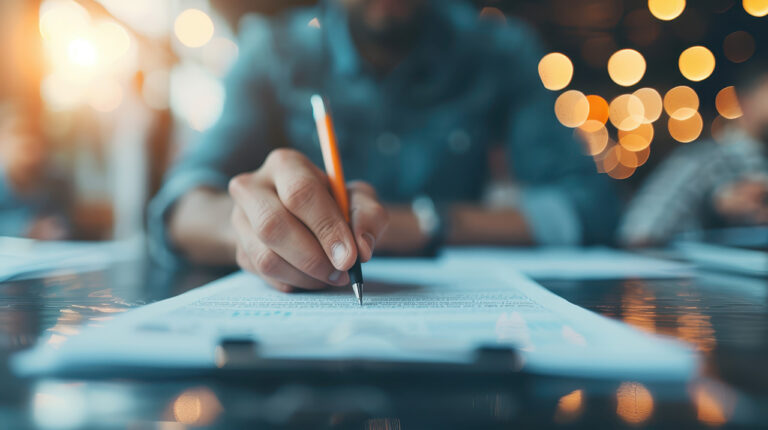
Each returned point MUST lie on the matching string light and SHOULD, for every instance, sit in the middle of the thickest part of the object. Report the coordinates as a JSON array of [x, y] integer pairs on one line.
[[652, 103], [758, 8], [626, 112], [572, 108], [696, 63], [637, 139], [626, 67], [727, 103], [681, 102], [666, 10], [686, 130], [555, 71]]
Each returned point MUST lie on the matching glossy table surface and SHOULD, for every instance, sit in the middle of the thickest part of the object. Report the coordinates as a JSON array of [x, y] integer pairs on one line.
[[725, 317]]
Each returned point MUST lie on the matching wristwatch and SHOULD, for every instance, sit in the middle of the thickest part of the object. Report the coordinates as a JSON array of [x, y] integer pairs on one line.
[[432, 224]]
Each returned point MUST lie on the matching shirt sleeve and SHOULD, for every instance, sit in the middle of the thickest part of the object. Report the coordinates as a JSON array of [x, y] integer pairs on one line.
[[238, 142], [564, 200]]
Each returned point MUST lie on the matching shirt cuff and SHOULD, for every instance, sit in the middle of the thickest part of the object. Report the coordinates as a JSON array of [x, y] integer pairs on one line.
[[551, 217], [160, 246]]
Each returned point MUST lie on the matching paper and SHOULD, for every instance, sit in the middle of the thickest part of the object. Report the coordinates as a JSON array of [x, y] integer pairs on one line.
[[745, 261], [21, 257], [566, 263], [414, 311]]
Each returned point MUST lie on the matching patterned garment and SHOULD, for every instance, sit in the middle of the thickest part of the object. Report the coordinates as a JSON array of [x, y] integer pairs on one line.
[[677, 197]]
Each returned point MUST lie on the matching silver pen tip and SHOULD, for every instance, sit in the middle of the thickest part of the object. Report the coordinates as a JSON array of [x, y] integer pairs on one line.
[[357, 287]]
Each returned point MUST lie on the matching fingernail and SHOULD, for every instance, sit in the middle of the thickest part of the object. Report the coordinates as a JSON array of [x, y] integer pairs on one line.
[[370, 241], [334, 277], [338, 253]]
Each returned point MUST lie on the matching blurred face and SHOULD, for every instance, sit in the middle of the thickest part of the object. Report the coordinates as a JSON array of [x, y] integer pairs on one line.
[[382, 17]]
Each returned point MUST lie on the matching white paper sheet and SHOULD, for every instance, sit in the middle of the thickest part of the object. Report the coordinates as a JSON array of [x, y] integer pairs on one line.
[[569, 263], [414, 311], [20, 258]]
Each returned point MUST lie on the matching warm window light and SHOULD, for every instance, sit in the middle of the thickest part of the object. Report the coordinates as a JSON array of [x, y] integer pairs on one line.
[[626, 67], [82, 52], [739, 46], [572, 108], [652, 103], [666, 10], [727, 103], [681, 102], [686, 130], [758, 8], [626, 112], [194, 28], [555, 71], [697, 63], [637, 139]]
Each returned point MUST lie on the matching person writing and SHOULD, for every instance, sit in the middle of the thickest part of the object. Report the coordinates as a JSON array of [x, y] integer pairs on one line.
[[421, 92]]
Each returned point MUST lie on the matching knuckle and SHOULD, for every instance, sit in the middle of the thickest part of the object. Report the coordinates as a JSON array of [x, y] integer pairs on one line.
[[281, 156], [271, 227], [300, 193], [268, 263], [238, 183]]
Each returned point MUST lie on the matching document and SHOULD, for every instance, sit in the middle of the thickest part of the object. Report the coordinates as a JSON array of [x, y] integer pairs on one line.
[[20, 257], [571, 263], [414, 311]]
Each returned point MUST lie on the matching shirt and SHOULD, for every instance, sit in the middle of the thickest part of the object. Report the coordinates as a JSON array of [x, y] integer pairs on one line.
[[677, 197], [425, 128]]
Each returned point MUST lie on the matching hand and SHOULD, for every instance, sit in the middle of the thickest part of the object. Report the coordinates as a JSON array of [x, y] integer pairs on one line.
[[743, 202], [290, 230]]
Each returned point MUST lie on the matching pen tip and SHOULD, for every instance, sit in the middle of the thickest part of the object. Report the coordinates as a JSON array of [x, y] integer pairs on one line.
[[357, 287]]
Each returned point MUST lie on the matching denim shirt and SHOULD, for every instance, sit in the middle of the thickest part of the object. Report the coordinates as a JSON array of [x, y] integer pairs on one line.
[[424, 128]]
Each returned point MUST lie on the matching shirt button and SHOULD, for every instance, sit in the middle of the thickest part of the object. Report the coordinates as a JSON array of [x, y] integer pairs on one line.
[[388, 143], [459, 141]]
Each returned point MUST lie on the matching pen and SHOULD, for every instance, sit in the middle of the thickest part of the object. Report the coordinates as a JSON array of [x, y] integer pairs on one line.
[[333, 169]]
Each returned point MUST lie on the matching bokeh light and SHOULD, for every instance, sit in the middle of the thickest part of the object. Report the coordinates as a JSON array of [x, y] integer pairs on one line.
[[491, 13], [82, 52], [314, 22], [598, 113], [758, 8], [608, 159], [626, 67], [555, 71], [666, 10], [112, 41], [652, 104], [696, 63], [637, 139], [626, 112], [595, 140], [572, 108], [193, 28], [727, 103], [61, 19], [681, 102], [634, 403], [686, 130], [106, 96], [739, 46]]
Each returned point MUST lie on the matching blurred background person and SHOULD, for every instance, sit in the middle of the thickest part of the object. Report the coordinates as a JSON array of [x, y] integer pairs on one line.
[[420, 92], [711, 183]]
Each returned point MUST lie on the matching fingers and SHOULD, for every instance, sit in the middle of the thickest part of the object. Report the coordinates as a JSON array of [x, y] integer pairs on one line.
[[261, 221], [303, 190], [368, 217]]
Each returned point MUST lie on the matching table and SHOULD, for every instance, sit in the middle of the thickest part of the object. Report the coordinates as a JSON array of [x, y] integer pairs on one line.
[[724, 316]]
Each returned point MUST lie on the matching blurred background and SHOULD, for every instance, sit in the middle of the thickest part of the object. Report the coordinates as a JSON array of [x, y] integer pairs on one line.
[[97, 96]]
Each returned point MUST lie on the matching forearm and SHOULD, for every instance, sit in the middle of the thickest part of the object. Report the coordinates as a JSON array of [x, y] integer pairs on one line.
[[200, 228]]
